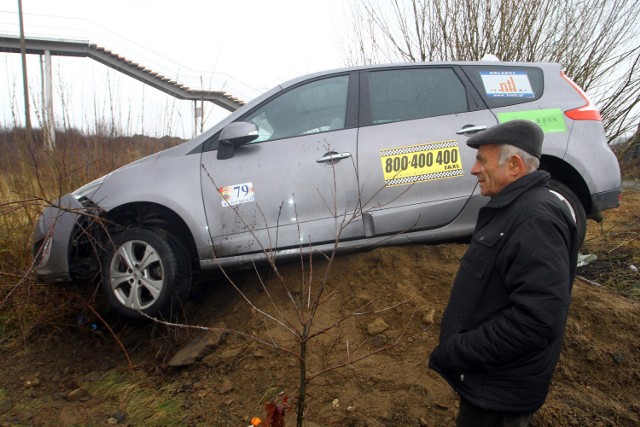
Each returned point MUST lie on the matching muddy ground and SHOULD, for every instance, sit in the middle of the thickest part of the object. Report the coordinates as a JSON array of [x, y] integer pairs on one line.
[[382, 307]]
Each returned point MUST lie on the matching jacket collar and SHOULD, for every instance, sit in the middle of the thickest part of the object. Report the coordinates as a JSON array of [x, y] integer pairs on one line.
[[517, 187]]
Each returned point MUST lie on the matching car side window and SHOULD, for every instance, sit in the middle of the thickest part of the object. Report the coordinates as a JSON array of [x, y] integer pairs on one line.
[[415, 93], [318, 106]]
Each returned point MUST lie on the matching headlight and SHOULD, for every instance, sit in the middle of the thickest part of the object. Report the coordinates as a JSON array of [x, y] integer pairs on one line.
[[88, 189]]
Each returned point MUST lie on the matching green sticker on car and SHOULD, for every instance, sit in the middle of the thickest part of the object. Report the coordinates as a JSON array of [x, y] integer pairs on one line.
[[550, 120]]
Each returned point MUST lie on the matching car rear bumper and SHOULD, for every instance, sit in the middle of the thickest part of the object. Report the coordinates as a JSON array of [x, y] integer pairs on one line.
[[52, 237], [603, 201]]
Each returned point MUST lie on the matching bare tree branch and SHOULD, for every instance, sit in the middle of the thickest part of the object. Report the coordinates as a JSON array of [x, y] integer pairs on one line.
[[597, 42]]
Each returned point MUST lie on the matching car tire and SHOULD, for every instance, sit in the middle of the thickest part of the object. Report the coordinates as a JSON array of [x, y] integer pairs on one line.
[[571, 201], [145, 271]]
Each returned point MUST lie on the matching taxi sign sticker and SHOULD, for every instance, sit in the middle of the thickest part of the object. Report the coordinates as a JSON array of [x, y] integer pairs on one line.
[[235, 194], [550, 120], [507, 84], [419, 163]]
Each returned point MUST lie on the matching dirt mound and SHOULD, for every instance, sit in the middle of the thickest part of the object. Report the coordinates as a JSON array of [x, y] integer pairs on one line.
[[398, 295], [380, 316]]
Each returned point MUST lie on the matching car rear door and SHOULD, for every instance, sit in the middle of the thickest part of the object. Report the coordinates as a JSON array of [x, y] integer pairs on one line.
[[413, 161], [296, 183]]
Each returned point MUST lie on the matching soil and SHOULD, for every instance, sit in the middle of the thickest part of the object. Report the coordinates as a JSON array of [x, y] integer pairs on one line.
[[381, 310]]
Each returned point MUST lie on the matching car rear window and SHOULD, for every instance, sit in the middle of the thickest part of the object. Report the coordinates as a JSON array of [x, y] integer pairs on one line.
[[415, 93], [501, 86]]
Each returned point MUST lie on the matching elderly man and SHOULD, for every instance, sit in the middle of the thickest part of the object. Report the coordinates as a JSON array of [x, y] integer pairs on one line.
[[502, 330]]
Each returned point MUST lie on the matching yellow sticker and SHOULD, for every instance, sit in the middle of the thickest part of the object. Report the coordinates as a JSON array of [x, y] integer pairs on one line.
[[419, 163]]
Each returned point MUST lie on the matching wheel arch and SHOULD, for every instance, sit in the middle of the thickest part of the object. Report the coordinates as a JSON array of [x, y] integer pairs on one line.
[[563, 172], [154, 215]]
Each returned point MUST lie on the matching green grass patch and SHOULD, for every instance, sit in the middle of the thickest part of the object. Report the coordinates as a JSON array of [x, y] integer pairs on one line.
[[143, 404]]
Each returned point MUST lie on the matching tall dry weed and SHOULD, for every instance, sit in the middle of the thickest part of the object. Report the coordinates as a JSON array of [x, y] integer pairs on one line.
[[32, 176]]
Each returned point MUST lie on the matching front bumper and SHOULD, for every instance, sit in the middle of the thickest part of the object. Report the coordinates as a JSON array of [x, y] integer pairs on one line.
[[52, 239]]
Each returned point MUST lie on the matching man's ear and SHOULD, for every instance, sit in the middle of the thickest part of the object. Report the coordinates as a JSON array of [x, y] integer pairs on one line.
[[516, 165]]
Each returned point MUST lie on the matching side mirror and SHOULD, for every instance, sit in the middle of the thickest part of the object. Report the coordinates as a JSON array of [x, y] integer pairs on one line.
[[234, 135]]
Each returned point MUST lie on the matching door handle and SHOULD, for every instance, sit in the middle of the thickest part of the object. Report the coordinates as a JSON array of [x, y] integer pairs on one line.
[[333, 157], [471, 129]]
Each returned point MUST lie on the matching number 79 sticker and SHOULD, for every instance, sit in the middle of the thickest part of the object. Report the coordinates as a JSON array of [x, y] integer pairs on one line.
[[235, 194], [419, 163]]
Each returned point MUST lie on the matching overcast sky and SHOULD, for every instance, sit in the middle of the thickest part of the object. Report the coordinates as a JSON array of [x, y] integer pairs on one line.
[[251, 45]]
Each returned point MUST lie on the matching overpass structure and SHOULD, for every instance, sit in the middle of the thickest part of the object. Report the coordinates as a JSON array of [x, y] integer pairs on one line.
[[58, 47]]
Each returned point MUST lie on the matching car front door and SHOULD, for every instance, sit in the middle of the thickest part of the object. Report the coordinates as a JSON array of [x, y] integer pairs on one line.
[[414, 165], [293, 186]]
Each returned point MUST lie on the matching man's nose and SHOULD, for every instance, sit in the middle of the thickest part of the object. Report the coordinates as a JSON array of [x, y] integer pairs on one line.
[[475, 169]]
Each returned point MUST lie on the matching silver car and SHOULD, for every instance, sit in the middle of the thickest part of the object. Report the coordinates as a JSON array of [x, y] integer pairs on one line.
[[370, 156]]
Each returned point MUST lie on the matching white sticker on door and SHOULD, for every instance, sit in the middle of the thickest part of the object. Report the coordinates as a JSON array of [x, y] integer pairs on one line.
[[236, 194]]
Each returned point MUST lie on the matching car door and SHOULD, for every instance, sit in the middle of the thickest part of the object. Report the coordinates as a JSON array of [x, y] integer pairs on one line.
[[295, 184], [413, 161]]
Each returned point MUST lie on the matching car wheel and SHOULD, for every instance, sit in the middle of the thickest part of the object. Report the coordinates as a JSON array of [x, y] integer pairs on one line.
[[145, 271], [571, 201]]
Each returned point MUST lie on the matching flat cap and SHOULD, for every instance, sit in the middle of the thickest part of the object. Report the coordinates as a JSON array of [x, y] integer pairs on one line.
[[523, 134]]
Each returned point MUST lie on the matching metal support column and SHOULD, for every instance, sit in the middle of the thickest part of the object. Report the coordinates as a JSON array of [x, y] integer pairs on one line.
[[198, 117], [47, 103], [195, 118]]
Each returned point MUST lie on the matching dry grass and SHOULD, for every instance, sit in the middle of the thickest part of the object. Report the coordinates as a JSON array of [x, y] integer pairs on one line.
[[616, 243], [30, 176]]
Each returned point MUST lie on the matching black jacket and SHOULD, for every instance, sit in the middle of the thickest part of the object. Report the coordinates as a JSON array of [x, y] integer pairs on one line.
[[502, 330]]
